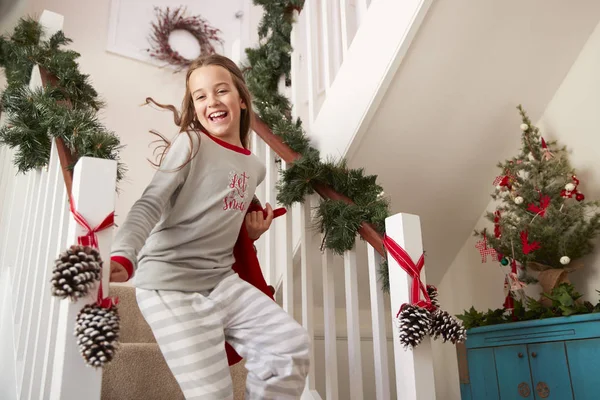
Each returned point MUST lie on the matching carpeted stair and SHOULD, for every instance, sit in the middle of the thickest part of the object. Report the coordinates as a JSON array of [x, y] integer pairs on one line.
[[139, 371]]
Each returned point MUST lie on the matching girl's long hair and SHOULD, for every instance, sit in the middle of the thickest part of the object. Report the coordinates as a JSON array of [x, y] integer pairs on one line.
[[188, 122]]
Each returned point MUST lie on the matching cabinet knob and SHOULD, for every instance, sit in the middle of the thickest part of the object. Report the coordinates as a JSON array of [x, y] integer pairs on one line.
[[520, 355], [534, 354]]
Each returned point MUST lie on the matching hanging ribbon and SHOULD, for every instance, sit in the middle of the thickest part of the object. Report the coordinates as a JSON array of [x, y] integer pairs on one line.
[[90, 239], [413, 270]]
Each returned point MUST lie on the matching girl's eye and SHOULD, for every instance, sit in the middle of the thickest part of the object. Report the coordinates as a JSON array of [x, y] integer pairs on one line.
[[200, 97], [222, 91]]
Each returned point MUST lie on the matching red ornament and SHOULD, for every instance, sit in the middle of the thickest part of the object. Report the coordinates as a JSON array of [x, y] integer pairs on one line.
[[497, 232], [528, 247], [544, 203], [484, 250], [568, 194]]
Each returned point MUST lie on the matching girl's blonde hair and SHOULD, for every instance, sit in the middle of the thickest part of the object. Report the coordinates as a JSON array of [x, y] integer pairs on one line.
[[188, 122]]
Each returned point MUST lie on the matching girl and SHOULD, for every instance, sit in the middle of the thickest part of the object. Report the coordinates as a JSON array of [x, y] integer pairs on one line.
[[181, 233]]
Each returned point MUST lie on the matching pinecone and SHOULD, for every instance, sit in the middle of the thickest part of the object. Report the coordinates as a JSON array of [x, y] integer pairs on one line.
[[447, 327], [75, 272], [414, 325], [432, 292], [97, 332]]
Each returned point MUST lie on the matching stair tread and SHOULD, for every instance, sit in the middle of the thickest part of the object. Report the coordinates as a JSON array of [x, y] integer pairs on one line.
[[139, 372], [134, 328]]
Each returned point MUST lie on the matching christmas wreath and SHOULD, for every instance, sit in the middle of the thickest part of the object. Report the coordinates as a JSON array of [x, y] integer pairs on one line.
[[169, 20]]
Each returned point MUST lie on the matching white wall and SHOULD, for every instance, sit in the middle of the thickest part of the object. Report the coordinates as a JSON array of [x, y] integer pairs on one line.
[[572, 118]]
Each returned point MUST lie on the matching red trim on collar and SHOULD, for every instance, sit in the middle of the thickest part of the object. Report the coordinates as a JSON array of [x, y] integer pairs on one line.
[[229, 146]]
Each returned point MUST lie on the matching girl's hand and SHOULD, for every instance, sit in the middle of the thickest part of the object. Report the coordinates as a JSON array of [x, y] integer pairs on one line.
[[118, 273], [257, 224]]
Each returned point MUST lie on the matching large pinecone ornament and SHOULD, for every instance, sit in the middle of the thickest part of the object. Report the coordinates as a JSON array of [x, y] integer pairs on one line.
[[97, 332], [414, 323], [75, 272], [447, 327], [432, 292]]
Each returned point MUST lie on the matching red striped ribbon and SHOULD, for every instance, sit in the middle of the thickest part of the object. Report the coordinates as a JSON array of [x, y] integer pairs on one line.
[[91, 239], [412, 269]]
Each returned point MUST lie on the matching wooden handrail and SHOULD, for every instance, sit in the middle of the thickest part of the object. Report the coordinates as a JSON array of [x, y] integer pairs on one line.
[[65, 156], [366, 231]]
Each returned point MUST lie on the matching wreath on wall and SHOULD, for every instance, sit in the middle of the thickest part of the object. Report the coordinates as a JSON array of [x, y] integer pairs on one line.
[[169, 20]]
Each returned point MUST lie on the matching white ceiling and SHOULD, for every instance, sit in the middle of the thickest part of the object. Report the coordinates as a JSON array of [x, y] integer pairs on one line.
[[449, 115]]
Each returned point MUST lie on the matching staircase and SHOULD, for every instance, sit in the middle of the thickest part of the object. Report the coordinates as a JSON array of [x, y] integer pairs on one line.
[[355, 354]]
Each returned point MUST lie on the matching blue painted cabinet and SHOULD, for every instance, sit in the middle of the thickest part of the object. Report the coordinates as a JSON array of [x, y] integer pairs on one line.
[[554, 359]]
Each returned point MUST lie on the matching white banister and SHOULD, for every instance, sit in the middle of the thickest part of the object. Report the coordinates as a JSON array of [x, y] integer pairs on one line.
[[94, 197], [353, 322], [331, 378], [270, 235], [414, 368], [378, 320]]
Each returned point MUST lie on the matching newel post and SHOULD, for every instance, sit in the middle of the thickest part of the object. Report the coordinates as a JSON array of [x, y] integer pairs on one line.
[[94, 182], [414, 368]]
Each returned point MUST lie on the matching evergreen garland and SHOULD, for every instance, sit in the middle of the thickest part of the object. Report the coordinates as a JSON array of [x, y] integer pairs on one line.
[[67, 111], [267, 64]]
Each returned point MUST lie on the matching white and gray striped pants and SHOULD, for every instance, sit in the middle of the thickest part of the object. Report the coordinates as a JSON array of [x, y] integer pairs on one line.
[[191, 328]]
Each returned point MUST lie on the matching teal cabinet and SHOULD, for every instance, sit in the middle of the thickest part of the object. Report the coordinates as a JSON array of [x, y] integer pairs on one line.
[[552, 359]]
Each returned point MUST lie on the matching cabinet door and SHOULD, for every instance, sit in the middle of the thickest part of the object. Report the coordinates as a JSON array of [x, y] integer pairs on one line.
[[550, 371], [482, 374], [584, 362], [514, 378]]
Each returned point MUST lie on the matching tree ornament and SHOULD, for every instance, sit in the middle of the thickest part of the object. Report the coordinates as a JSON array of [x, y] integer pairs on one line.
[[97, 331], [76, 272], [447, 327], [528, 247], [504, 261], [414, 323], [530, 156], [484, 250], [432, 292], [518, 200], [544, 203], [524, 127], [579, 197], [569, 187], [564, 260], [171, 20]]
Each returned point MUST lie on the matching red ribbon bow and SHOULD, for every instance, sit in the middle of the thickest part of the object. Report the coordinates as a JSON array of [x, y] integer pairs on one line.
[[91, 239], [412, 269]]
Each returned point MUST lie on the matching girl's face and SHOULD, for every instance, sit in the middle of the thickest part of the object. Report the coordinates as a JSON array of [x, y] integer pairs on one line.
[[217, 102]]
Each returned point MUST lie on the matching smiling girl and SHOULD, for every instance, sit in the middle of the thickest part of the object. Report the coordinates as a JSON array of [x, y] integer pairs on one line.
[[179, 238]]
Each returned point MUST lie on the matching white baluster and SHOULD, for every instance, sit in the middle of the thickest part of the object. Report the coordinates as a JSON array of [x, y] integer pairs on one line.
[[331, 369], [348, 19], [94, 196], [53, 304], [307, 291], [288, 273], [353, 322], [414, 368], [327, 43], [312, 57], [378, 317], [270, 235]]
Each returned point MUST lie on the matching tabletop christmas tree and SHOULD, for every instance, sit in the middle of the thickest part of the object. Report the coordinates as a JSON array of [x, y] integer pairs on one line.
[[543, 222]]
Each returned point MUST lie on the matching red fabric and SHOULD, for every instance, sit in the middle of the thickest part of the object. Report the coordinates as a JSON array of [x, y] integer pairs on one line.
[[126, 263]]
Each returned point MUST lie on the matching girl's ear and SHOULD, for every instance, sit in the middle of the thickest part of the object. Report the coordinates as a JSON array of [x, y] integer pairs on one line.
[[243, 104]]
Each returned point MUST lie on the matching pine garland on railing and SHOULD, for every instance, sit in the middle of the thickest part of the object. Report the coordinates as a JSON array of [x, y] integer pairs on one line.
[[67, 111], [338, 221]]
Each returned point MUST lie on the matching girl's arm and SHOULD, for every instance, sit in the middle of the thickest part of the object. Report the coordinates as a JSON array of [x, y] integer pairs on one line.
[[146, 212]]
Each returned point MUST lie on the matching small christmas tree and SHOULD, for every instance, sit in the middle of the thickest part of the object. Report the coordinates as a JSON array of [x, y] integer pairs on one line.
[[543, 222]]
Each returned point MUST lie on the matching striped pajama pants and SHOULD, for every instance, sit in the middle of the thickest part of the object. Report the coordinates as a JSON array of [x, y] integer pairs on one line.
[[191, 330]]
